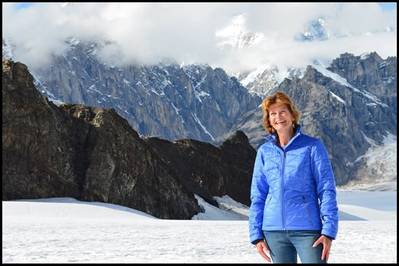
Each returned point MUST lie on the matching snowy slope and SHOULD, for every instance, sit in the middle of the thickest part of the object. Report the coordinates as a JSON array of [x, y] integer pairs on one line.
[[65, 230], [380, 169]]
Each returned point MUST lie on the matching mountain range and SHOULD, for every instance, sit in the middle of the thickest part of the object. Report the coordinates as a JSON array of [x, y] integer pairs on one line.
[[351, 104], [165, 100]]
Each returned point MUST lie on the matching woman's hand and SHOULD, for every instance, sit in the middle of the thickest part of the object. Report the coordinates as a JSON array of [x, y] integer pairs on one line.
[[326, 242], [263, 250]]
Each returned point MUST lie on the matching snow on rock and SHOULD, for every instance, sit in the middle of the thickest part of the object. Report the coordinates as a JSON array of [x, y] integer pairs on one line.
[[253, 75], [202, 126], [380, 169], [227, 203], [337, 97], [341, 80], [213, 213]]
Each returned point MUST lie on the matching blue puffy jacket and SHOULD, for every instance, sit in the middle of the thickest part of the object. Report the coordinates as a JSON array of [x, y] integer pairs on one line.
[[293, 188]]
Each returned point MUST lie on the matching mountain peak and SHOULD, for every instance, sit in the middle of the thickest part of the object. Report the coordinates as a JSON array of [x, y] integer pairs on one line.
[[315, 30], [238, 137], [371, 56], [7, 50]]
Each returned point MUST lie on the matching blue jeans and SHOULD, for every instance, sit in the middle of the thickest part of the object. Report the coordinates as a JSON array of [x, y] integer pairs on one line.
[[285, 245]]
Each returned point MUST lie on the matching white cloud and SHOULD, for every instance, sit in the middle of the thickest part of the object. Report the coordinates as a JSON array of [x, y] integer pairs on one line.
[[194, 32]]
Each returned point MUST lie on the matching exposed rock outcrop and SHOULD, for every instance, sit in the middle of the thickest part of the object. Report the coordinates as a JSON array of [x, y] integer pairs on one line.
[[82, 152], [208, 170], [93, 154]]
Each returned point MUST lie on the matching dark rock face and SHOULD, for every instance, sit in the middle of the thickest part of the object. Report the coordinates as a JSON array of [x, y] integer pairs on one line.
[[81, 152], [121, 168], [93, 154], [208, 170], [239, 157], [38, 157]]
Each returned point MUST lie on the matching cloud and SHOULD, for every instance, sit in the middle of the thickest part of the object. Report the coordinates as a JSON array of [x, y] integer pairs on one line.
[[198, 32]]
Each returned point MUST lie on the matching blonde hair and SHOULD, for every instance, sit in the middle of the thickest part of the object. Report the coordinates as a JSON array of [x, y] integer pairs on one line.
[[282, 98]]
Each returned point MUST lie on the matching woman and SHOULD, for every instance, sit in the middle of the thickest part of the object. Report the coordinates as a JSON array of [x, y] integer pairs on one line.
[[293, 196]]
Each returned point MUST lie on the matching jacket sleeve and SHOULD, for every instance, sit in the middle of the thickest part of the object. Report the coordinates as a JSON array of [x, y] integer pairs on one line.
[[326, 190], [259, 190]]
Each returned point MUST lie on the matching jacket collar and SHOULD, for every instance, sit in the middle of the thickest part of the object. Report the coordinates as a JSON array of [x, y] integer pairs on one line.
[[273, 137]]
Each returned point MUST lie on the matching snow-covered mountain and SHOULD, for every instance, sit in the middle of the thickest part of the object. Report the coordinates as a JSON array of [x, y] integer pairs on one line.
[[265, 78], [164, 100], [236, 35], [321, 29], [315, 30]]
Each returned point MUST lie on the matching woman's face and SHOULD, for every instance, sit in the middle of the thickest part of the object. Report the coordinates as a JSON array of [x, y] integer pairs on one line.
[[280, 118]]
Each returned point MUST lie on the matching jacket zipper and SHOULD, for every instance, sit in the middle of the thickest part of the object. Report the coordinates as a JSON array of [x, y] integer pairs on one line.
[[282, 191], [282, 178]]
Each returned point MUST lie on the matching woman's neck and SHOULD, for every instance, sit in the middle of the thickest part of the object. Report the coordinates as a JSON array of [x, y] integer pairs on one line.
[[285, 137]]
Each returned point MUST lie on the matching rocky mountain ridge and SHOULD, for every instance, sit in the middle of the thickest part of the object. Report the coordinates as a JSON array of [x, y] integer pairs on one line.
[[93, 154], [165, 100]]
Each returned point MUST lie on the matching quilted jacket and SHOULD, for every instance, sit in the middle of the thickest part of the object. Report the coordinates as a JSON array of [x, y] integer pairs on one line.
[[293, 188]]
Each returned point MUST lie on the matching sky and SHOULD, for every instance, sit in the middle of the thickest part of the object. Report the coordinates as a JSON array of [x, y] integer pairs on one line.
[[388, 6], [65, 230], [207, 33]]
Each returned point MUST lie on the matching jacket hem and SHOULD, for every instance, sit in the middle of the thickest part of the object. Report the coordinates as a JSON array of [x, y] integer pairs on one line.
[[279, 228]]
